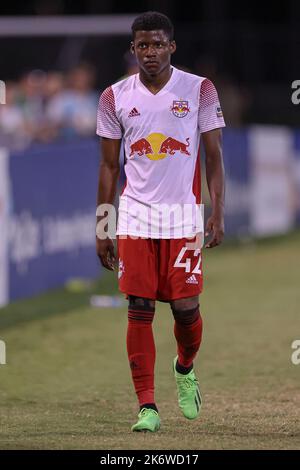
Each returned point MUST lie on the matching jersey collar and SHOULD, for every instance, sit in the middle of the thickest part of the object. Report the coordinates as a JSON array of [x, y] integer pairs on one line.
[[164, 89]]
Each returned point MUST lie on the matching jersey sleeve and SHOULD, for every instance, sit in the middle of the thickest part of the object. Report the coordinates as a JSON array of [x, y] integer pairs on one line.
[[108, 124], [210, 112]]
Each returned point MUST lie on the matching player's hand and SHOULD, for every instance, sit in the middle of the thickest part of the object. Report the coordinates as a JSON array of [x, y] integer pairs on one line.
[[106, 253], [214, 227]]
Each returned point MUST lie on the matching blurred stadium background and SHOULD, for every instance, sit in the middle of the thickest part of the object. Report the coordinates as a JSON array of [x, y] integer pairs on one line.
[[56, 57]]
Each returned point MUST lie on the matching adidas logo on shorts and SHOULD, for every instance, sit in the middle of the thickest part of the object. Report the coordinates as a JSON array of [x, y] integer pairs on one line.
[[192, 280]]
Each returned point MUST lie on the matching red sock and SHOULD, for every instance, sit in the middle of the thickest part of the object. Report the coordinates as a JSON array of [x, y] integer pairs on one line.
[[188, 333], [141, 351]]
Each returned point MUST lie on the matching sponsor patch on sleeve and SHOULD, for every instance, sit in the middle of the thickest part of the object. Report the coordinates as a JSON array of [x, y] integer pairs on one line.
[[219, 112]]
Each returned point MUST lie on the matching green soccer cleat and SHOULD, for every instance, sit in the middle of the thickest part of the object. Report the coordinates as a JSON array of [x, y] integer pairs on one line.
[[149, 420], [189, 398]]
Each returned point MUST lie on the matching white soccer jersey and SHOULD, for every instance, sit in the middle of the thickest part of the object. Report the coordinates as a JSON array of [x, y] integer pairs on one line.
[[161, 135]]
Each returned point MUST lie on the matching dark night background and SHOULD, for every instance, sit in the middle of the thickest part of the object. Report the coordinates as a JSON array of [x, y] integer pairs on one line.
[[254, 46]]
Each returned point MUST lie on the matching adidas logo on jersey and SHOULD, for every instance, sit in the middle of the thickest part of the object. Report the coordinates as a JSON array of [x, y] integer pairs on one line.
[[133, 113], [192, 280]]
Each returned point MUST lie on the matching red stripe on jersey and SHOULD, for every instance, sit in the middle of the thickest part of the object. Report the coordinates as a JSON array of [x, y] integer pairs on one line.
[[197, 179], [107, 100], [208, 94], [108, 124], [124, 186]]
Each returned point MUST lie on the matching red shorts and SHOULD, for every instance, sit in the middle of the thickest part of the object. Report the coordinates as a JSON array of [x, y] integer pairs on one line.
[[160, 269]]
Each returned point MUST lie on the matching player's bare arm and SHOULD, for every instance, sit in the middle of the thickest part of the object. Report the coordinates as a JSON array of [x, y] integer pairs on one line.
[[212, 141], [108, 178]]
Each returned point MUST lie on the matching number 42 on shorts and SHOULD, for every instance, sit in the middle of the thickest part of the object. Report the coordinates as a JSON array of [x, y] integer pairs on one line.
[[187, 263]]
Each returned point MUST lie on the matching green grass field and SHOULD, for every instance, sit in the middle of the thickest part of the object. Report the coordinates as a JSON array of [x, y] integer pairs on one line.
[[66, 384]]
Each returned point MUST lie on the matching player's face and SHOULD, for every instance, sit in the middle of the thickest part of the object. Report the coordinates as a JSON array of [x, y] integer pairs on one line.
[[153, 50]]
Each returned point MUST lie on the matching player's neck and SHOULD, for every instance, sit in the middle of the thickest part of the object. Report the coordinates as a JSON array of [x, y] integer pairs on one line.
[[155, 83]]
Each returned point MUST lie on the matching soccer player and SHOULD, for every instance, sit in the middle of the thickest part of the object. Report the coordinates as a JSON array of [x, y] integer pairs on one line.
[[160, 113]]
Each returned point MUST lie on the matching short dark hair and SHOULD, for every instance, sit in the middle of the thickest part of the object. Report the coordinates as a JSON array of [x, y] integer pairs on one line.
[[151, 21]]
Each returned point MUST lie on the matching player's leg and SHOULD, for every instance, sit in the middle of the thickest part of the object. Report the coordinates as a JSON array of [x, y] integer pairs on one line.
[[181, 284], [141, 348], [141, 356], [188, 333], [139, 281]]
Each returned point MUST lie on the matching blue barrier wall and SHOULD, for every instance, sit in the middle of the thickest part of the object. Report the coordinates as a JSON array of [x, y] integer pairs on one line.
[[237, 169], [52, 201], [296, 172], [53, 195]]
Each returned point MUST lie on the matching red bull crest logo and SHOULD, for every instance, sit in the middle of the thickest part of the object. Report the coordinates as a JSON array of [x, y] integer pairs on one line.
[[157, 146], [180, 108]]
